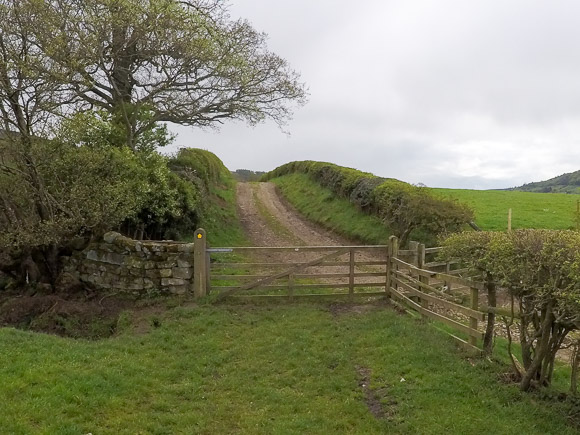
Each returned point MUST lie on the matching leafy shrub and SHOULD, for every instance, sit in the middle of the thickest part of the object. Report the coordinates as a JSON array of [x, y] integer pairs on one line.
[[541, 270], [198, 163]]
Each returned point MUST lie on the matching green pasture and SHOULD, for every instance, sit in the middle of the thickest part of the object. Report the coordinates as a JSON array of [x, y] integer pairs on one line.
[[529, 210]]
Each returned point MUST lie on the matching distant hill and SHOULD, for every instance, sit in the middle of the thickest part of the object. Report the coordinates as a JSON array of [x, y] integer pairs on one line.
[[566, 183]]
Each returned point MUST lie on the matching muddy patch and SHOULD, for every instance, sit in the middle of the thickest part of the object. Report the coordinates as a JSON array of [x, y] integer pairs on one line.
[[378, 402], [77, 316], [341, 309]]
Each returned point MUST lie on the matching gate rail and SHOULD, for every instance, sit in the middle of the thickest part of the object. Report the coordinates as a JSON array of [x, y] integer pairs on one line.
[[263, 275]]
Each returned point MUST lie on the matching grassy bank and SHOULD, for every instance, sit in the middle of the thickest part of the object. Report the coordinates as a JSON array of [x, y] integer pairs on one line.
[[262, 369], [324, 207], [529, 210], [217, 213]]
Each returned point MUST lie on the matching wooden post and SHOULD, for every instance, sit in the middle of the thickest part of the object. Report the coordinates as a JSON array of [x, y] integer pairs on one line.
[[414, 246], [510, 219], [291, 286], [199, 264], [351, 275], [421, 265], [473, 320], [393, 252]]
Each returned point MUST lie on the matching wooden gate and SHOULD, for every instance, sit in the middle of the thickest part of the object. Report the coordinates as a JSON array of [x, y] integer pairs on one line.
[[298, 271], [334, 271]]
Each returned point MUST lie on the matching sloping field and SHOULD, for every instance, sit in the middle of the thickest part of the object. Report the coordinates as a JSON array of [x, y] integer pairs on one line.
[[529, 210]]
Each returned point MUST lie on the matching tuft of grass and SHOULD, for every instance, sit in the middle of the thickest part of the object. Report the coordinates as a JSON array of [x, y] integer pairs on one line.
[[263, 369], [322, 206]]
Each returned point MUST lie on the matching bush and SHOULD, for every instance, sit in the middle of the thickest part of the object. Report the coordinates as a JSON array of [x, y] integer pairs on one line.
[[52, 193], [541, 270]]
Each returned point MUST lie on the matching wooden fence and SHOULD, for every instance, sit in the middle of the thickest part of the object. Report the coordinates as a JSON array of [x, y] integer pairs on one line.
[[412, 278], [417, 286]]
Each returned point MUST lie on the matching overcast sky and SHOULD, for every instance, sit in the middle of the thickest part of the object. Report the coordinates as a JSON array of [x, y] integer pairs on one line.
[[450, 93]]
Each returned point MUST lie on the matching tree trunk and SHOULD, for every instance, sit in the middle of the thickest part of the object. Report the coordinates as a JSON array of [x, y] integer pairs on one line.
[[491, 302], [542, 348]]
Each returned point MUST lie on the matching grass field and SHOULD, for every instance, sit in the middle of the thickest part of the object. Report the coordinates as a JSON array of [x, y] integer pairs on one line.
[[529, 210], [262, 369]]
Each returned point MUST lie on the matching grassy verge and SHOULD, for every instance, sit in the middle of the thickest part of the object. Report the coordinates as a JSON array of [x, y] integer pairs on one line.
[[220, 218], [322, 206], [262, 369], [529, 210]]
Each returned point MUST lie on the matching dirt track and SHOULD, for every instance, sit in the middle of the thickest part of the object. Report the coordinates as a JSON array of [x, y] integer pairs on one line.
[[270, 221]]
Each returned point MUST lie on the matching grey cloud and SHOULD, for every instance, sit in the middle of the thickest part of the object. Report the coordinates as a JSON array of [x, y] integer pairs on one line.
[[449, 93]]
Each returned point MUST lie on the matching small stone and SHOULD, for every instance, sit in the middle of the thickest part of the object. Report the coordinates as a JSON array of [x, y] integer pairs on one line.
[[166, 282], [186, 248], [183, 263], [182, 272], [111, 236], [177, 289], [165, 273], [92, 255]]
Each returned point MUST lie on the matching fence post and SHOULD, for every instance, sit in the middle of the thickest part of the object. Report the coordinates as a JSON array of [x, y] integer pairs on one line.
[[351, 275], [291, 286], [473, 320], [414, 246], [200, 277], [392, 252]]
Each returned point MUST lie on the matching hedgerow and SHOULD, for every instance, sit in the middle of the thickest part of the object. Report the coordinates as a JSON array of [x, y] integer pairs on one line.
[[401, 206]]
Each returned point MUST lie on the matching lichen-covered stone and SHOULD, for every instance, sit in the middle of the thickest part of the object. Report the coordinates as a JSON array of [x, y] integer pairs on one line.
[[183, 263], [186, 248], [165, 273], [92, 255], [166, 282], [111, 236], [166, 264], [182, 272], [178, 289]]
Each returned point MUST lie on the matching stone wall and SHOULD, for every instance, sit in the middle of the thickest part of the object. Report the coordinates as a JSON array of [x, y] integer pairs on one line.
[[139, 267]]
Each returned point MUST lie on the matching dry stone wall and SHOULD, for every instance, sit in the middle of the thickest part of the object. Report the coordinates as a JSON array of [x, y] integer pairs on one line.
[[139, 267]]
